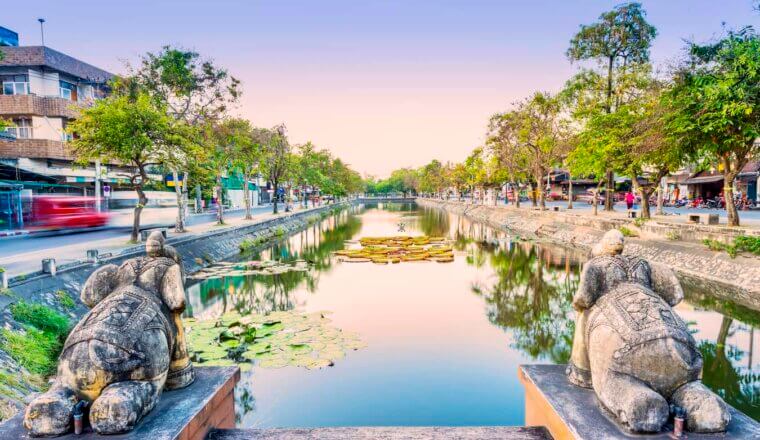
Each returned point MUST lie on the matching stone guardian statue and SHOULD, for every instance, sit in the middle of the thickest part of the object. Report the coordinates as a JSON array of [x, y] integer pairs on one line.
[[631, 347], [125, 350]]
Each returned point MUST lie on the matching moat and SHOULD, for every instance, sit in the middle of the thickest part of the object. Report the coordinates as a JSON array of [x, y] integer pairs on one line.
[[443, 339]]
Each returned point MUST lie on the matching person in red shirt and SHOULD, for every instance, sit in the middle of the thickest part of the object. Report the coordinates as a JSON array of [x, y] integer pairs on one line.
[[629, 199]]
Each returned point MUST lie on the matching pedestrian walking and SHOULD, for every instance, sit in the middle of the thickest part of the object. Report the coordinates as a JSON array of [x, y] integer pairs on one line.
[[629, 199]]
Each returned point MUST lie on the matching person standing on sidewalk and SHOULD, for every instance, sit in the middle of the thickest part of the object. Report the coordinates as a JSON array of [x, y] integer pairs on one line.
[[629, 199]]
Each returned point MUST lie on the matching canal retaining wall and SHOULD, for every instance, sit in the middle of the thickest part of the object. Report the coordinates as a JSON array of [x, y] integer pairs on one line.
[[677, 245], [197, 251]]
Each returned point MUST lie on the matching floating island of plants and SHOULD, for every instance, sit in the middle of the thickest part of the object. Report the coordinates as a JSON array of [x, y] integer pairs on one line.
[[276, 340], [384, 250], [267, 267]]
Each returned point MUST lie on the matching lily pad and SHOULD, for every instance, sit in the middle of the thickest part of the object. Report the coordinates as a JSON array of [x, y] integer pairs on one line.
[[283, 338]]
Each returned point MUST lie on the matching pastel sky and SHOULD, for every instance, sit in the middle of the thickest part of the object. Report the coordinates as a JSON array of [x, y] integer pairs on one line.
[[380, 83]]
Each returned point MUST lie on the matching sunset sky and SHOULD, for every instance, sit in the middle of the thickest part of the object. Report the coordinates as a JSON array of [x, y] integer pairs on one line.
[[382, 84]]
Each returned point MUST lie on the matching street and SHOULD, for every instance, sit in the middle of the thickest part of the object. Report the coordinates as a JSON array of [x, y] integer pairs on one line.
[[23, 254]]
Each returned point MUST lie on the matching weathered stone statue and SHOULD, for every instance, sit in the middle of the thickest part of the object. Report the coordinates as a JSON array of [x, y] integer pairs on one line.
[[125, 351], [632, 349]]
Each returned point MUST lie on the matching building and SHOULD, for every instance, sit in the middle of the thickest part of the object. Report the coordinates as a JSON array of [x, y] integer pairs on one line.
[[41, 92]]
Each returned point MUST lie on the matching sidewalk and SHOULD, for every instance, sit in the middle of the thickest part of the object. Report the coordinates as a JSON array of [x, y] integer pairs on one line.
[[747, 219], [24, 255]]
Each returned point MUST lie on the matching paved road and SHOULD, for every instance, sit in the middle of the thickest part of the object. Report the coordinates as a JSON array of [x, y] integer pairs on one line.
[[24, 254]]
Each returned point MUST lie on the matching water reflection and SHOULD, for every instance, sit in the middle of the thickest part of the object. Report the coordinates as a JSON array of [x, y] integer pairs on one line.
[[528, 295], [444, 340], [262, 294]]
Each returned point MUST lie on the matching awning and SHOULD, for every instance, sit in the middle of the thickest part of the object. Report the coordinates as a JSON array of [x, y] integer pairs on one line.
[[703, 179]]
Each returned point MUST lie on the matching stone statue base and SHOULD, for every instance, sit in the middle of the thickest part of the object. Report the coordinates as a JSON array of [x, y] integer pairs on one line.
[[569, 411], [187, 413]]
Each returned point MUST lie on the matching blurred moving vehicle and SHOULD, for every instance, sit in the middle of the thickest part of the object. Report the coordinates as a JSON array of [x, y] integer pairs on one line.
[[51, 213]]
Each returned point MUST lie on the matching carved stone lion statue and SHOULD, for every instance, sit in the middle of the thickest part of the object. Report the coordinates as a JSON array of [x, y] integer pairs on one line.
[[124, 351], [632, 349]]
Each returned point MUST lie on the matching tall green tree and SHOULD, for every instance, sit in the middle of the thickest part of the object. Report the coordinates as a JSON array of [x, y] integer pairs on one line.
[[277, 160], [715, 102], [194, 90], [620, 38], [133, 130], [225, 140], [534, 134]]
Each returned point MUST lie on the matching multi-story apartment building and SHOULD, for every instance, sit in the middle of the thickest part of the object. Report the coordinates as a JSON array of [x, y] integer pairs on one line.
[[41, 91]]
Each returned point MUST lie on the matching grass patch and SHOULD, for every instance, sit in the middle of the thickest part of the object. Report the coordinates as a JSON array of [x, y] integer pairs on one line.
[[639, 221], [65, 300], [719, 246], [279, 231], [251, 243], [41, 317], [748, 243], [34, 350], [628, 232], [742, 243], [38, 346], [673, 235]]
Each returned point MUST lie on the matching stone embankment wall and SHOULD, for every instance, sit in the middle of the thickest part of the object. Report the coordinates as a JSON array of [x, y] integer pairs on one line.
[[197, 250], [736, 279]]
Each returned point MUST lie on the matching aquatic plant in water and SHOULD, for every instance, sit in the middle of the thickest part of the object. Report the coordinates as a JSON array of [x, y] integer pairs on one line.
[[276, 340], [267, 267], [384, 250]]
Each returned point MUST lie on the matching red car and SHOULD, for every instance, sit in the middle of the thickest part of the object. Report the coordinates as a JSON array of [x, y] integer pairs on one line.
[[66, 212]]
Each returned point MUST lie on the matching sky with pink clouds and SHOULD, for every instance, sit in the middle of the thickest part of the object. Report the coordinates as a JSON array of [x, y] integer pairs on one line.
[[380, 83]]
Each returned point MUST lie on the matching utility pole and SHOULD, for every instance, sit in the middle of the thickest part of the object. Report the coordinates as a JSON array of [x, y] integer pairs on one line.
[[97, 185], [42, 29]]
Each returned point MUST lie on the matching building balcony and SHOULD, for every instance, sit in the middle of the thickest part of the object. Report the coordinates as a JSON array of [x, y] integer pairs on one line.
[[32, 105], [34, 148]]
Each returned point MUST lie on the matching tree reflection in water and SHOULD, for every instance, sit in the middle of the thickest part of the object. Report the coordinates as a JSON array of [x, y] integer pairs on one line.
[[264, 294], [530, 295]]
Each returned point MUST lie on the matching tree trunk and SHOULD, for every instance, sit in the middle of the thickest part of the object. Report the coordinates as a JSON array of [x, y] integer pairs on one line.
[[532, 190], [570, 193], [516, 192], [142, 200], [219, 204], [274, 198], [541, 193], [728, 194], [179, 225], [608, 200], [595, 197], [247, 196], [660, 196]]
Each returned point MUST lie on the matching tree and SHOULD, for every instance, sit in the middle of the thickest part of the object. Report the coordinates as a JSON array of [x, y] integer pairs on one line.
[[132, 130], [534, 134], [225, 141], [432, 178], [247, 156], [193, 90], [620, 38], [714, 106], [277, 160]]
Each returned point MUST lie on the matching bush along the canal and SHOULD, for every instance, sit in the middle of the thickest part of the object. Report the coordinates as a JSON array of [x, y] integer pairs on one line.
[[273, 341]]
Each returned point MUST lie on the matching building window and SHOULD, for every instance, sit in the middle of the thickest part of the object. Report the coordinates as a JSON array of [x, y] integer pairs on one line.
[[68, 90], [15, 85], [65, 136], [21, 128]]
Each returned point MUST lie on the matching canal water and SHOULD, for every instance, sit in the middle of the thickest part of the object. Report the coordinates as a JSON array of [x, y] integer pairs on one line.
[[444, 340]]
